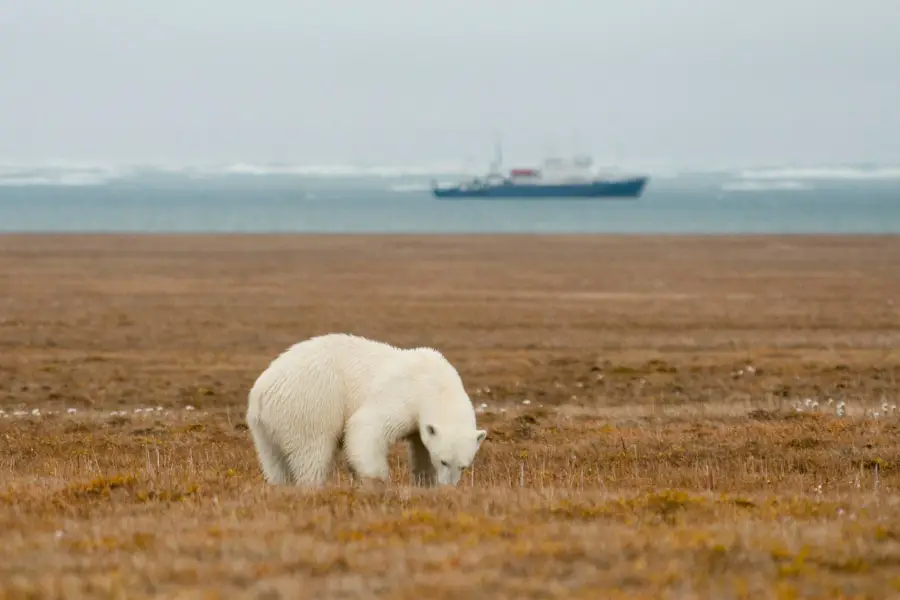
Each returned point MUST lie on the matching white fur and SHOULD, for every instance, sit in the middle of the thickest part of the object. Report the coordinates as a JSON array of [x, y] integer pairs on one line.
[[341, 390]]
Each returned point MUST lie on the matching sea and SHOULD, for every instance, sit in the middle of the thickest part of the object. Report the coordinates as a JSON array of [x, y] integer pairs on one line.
[[70, 198]]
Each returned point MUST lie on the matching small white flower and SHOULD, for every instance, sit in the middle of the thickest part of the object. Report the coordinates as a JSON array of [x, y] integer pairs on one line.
[[71, 411], [526, 402], [36, 412], [188, 407]]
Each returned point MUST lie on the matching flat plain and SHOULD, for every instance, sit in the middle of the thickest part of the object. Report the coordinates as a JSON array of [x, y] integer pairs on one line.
[[668, 417]]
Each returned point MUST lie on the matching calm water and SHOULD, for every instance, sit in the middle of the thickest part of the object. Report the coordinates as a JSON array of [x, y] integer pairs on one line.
[[277, 203]]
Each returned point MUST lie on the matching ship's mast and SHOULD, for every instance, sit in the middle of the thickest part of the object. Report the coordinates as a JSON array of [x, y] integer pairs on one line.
[[498, 156]]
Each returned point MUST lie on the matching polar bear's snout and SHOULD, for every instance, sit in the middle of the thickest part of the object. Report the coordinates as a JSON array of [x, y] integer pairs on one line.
[[452, 451]]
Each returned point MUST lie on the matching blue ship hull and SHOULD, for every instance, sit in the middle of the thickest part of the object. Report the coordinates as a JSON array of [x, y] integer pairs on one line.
[[622, 188]]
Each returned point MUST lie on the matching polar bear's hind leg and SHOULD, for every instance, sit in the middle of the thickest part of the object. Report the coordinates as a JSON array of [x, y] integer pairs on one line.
[[272, 460], [311, 463]]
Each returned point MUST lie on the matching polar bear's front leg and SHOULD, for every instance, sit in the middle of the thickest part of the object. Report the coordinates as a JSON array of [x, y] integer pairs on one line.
[[367, 440], [421, 469]]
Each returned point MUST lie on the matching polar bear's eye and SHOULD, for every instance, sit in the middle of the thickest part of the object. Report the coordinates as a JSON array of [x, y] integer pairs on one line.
[[445, 463]]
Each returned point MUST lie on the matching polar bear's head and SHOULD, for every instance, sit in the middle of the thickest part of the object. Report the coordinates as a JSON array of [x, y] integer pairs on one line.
[[452, 449]]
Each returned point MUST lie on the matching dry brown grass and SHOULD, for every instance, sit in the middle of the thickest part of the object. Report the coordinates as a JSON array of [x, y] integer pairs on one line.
[[646, 464]]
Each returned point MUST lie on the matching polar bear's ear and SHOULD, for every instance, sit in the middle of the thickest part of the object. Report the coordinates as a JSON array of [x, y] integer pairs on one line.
[[430, 430], [480, 435]]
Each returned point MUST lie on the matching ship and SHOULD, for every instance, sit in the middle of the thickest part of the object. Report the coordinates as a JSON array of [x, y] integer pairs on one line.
[[555, 178]]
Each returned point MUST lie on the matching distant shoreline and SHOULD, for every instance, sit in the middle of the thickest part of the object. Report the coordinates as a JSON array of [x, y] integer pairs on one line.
[[504, 236]]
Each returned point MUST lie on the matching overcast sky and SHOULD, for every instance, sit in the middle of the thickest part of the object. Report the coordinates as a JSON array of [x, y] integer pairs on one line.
[[415, 81]]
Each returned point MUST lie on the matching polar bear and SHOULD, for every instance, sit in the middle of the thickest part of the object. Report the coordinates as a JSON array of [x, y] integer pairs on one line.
[[344, 392]]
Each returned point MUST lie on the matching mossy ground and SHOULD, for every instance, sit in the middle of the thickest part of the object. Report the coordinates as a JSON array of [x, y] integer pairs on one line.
[[649, 461]]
